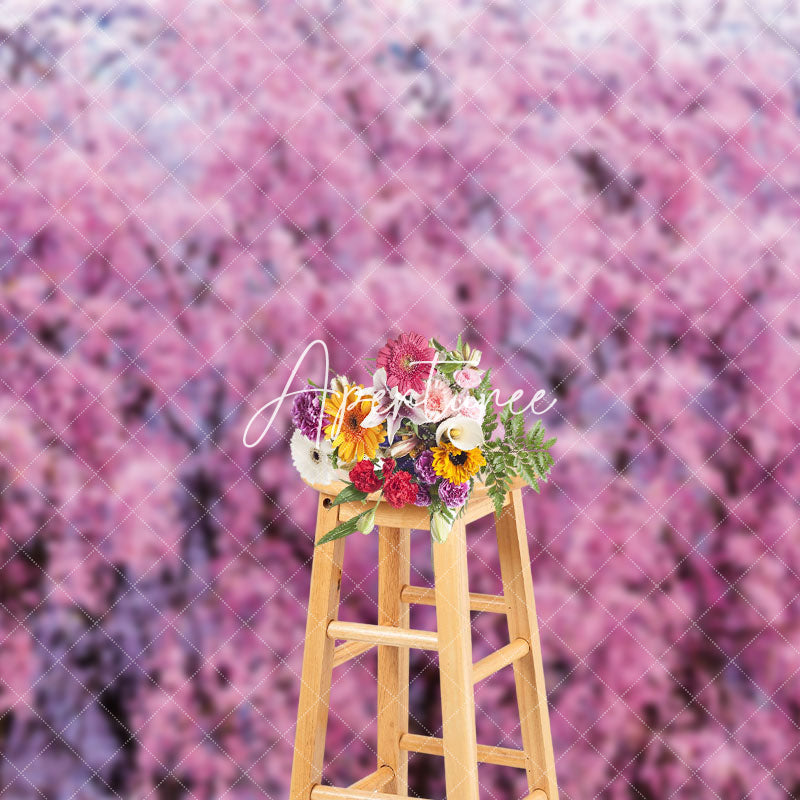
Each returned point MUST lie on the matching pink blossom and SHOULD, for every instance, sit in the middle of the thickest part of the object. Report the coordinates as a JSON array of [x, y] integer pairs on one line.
[[468, 406], [408, 361], [468, 378], [436, 402]]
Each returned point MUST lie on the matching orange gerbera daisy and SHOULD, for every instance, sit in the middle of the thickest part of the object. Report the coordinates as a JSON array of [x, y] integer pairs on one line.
[[347, 410]]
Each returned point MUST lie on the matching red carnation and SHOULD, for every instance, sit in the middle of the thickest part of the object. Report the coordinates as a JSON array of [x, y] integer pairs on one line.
[[399, 490], [388, 466], [364, 478]]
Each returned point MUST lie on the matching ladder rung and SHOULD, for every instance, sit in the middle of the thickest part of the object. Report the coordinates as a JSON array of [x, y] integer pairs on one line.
[[487, 754], [375, 781], [383, 634], [422, 596], [536, 794], [320, 792], [349, 650], [494, 662]]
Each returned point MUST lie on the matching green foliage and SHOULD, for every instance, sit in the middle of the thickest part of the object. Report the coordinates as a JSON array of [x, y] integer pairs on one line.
[[490, 420], [519, 452], [348, 495], [449, 361], [344, 528]]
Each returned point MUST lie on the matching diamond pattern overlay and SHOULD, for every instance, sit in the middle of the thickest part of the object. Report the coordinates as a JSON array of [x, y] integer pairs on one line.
[[601, 195]]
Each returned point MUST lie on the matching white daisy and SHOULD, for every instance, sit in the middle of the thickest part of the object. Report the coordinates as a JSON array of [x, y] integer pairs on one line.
[[312, 462]]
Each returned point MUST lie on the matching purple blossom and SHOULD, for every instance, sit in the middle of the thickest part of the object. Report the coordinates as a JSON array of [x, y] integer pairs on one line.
[[423, 466], [453, 495], [423, 496], [306, 412]]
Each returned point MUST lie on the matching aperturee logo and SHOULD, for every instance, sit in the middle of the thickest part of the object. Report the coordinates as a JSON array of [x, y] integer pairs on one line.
[[423, 433]]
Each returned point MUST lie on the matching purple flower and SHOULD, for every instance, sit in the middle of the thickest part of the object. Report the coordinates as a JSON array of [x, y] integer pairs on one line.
[[453, 495], [423, 466], [423, 496], [306, 411]]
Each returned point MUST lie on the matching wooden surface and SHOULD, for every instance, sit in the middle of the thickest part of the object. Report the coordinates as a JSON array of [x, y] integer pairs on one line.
[[393, 637], [376, 781], [383, 635], [348, 651], [455, 665], [422, 595], [331, 793], [413, 517], [315, 682], [494, 662], [487, 754], [394, 572], [515, 569]]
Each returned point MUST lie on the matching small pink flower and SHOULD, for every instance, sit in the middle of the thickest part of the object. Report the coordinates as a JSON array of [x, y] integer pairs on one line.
[[468, 406], [437, 400], [468, 378]]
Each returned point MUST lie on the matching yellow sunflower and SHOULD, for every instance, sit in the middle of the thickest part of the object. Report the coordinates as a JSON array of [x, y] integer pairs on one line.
[[346, 410], [457, 466]]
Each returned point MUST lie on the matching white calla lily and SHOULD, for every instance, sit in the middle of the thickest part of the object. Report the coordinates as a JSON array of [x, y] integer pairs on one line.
[[463, 432]]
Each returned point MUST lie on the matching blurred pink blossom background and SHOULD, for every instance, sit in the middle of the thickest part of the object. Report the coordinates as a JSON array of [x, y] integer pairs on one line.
[[602, 197]]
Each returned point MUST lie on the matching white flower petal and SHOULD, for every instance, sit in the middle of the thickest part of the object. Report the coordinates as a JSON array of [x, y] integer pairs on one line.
[[313, 464], [374, 418], [462, 432]]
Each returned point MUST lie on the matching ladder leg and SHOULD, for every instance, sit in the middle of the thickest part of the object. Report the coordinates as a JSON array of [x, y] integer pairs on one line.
[[515, 568], [394, 572], [315, 685], [455, 665]]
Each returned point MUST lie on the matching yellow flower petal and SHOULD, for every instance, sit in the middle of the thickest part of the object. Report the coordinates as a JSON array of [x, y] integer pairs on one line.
[[457, 466], [349, 439]]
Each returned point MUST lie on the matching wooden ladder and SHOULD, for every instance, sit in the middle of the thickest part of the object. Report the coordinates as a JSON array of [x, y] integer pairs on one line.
[[393, 638]]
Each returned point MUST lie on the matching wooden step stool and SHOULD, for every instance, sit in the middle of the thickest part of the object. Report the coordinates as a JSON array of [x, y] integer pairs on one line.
[[393, 638]]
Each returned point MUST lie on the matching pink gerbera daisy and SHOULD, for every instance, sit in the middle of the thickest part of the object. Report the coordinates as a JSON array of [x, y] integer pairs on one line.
[[404, 360]]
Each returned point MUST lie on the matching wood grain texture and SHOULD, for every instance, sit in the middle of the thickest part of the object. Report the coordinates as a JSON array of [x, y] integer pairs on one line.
[[383, 635], [479, 505], [421, 595], [315, 682], [537, 794], [515, 568], [332, 793], [455, 665], [376, 781], [348, 651], [453, 639], [487, 754], [407, 517], [494, 662], [394, 572]]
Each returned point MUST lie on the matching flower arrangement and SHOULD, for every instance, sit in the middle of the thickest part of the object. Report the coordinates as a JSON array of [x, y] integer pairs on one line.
[[422, 434]]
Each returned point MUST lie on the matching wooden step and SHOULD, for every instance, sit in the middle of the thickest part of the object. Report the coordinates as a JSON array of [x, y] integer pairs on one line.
[[422, 596], [320, 792], [383, 635], [349, 650], [375, 781], [494, 662], [487, 754]]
